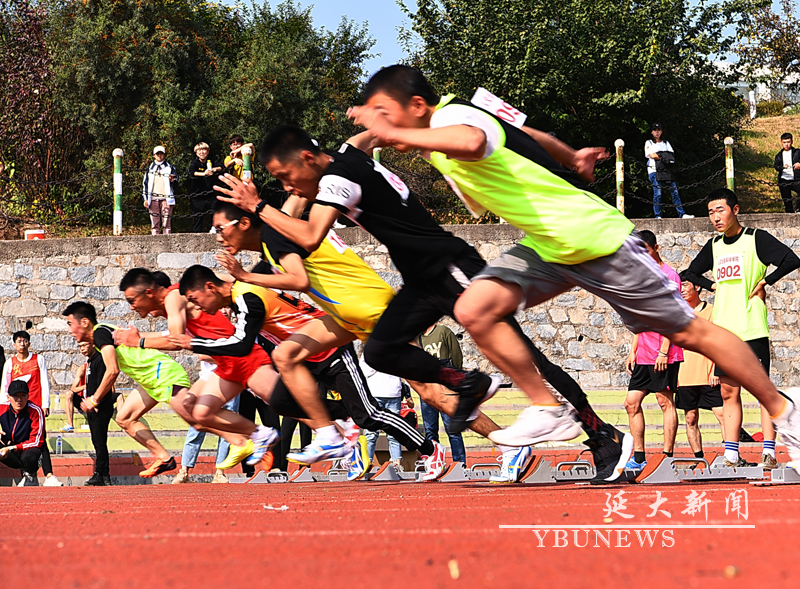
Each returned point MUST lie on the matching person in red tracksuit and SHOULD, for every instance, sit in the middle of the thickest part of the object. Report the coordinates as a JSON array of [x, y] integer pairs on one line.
[[22, 433]]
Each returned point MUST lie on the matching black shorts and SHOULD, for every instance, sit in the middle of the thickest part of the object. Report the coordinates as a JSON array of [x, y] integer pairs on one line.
[[760, 347], [698, 397], [645, 378]]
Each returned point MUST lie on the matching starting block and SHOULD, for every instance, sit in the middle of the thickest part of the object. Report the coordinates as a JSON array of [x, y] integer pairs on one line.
[[543, 473], [483, 472], [455, 473], [301, 475], [662, 469], [781, 476], [385, 472], [262, 478]]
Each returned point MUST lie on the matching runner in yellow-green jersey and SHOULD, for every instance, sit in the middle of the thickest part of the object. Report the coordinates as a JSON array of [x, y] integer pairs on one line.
[[572, 238]]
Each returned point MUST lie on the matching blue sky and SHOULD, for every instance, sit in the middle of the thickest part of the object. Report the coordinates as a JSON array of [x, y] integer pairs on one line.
[[383, 18]]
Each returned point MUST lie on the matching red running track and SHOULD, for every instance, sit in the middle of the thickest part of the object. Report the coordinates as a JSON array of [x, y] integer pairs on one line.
[[392, 535]]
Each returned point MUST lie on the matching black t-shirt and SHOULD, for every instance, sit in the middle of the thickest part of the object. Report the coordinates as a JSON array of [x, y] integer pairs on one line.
[[103, 336], [379, 201], [203, 184], [95, 371]]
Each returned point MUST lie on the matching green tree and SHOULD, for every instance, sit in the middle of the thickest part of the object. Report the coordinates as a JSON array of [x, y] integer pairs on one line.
[[593, 71], [769, 49]]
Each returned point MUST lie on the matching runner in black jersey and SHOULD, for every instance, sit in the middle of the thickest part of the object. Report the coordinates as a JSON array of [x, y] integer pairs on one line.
[[436, 266]]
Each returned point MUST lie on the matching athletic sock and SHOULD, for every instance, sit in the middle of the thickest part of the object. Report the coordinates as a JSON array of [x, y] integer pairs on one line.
[[699, 454], [259, 434], [426, 448], [638, 456], [668, 454], [505, 449], [769, 447], [590, 422], [329, 434], [731, 451]]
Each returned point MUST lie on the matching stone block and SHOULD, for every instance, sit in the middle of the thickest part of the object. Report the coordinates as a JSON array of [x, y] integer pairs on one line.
[[52, 273], [781, 335], [545, 331], [6, 271], [594, 380], [67, 342], [24, 308], [9, 290], [43, 342], [41, 291], [117, 309], [393, 279], [566, 300], [578, 364], [23, 271], [61, 293], [576, 316], [592, 333], [83, 274], [62, 378], [100, 261], [597, 319], [574, 349], [536, 316], [99, 293], [600, 351], [207, 260], [56, 360], [176, 260], [558, 315], [567, 332]]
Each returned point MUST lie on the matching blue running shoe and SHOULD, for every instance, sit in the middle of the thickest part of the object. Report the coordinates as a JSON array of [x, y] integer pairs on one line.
[[359, 460], [514, 463], [633, 465], [316, 452], [264, 445]]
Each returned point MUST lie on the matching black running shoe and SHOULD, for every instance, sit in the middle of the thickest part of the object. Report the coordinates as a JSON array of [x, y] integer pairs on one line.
[[473, 389], [107, 480], [96, 480], [610, 449]]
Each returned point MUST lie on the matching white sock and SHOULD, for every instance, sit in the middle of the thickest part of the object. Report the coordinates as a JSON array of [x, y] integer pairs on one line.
[[505, 449], [259, 434], [328, 434]]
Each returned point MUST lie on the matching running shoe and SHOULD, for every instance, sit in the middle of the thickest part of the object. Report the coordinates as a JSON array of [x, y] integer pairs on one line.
[[359, 460], [107, 480], [611, 450], [317, 452], [67, 429], [635, 466], [434, 464], [398, 464], [739, 463], [28, 480], [220, 478], [351, 431], [181, 478], [264, 445], [514, 462], [158, 467], [789, 428], [768, 462], [236, 454], [52, 481], [94, 481], [474, 389], [539, 423]]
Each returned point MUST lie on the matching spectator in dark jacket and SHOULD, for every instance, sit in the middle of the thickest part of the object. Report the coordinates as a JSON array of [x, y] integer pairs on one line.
[[203, 174], [22, 433], [787, 164]]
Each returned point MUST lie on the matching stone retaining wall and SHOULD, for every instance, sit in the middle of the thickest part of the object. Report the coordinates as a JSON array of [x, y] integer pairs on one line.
[[577, 330]]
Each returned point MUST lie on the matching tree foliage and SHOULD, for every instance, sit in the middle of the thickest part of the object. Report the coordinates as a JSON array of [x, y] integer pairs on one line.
[[769, 48], [592, 71]]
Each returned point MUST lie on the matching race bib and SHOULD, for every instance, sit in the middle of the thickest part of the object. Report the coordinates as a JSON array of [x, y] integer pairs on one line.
[[729, 268], [336, 241], [499, 108]]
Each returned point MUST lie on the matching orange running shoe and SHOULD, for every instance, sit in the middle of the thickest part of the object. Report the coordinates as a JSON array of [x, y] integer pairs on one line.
[[158, 467]]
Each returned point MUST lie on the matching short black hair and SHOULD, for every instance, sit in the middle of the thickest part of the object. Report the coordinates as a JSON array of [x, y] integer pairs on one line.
[[141, 277], [685, 276], [401, 82], [21, 334], [285, 142], [162, 279], [81, 310], [786, 136], [726, 194], [648, 237], [196, 277], [234, 213], [236, 139]]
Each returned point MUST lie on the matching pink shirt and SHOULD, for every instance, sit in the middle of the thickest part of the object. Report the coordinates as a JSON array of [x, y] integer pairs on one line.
[[650, 342]]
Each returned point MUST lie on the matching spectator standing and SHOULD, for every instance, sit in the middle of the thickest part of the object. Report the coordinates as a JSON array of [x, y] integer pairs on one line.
[[653, 364], [234, 164], [787, 163], [157, 192], [660, 160], [738, 258], [203, 173], [99, 409], [32, 369], [698, 388], [388, 393], [22, 434], [439, 341]]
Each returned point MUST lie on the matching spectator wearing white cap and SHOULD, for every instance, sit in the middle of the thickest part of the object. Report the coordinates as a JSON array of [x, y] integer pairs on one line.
[[157, 193]]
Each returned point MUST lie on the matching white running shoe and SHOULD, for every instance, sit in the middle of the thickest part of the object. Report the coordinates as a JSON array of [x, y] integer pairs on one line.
[[687, 216], [52, 481], [514, 462], [539, 423], [319, 451], [434, 464], [789, 429], [351, 431]]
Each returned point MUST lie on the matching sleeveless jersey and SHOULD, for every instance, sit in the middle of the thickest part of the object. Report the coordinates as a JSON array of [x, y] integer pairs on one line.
[[29, 368], [342, 284], [523, 184], [737, 270], [207, 326]]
